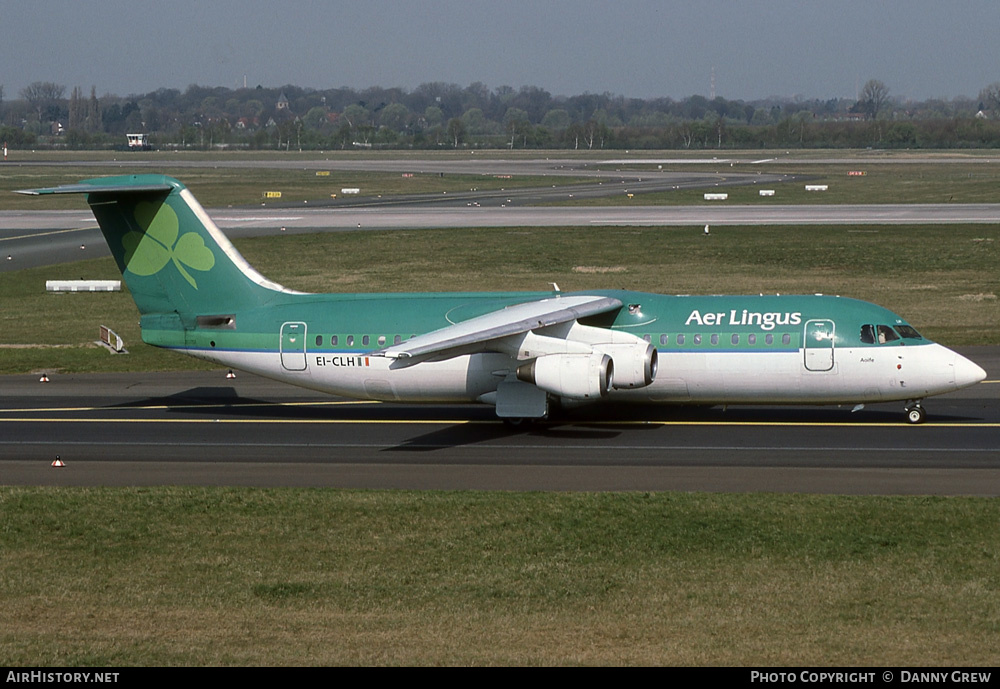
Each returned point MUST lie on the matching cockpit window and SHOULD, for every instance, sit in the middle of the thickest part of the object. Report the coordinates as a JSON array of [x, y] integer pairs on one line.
[[886, 334], [870, 334], [908, 332]]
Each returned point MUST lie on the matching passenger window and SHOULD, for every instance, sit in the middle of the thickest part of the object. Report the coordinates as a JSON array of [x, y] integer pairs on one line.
[[769, 339], [365, 340], [333, 340], [350, 340], [715, 339], [397, 339], [697, 339], [752, 339], [664, 339], [786, 339], [886, 334], [647, 338], [735, 339], [319, 340], [680, 339], [381, 340], [868, 334]]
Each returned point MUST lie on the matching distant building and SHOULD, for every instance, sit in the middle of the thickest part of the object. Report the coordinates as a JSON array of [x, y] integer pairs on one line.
[[138, 142], [282, 102]]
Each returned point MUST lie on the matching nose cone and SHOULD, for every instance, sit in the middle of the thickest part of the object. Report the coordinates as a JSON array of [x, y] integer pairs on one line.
[[967, 372]]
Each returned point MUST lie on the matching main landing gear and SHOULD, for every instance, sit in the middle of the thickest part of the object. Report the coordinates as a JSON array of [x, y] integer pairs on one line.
[[519, 423], [915, 413]]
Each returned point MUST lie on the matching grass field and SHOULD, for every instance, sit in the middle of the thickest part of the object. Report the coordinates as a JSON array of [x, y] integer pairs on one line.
[[190, 576], [896, 177], [220, 187], [909, 183]]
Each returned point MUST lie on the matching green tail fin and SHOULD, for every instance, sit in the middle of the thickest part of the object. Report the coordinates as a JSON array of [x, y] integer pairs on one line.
[[172, 256]]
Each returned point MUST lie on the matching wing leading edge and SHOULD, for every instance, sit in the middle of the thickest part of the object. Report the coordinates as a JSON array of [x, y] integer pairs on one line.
[[475, 333]]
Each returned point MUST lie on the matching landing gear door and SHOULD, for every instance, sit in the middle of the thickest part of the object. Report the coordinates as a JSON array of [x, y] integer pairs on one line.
[[818, 346], [293, 346]]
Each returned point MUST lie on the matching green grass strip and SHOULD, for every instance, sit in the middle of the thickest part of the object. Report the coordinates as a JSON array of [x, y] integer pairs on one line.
[[239, 576]]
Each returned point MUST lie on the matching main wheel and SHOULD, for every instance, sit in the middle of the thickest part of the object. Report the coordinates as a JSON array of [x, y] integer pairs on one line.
[[517, 422], [916, 414]]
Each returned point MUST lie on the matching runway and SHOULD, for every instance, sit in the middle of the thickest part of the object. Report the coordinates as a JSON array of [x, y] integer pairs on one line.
[[31, 239], [200, 428]]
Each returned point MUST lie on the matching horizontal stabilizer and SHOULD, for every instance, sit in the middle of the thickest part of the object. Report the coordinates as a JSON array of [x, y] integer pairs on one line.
[[98, 188]]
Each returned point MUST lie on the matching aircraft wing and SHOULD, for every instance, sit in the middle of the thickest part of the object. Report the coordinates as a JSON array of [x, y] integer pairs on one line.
[[472, 334]]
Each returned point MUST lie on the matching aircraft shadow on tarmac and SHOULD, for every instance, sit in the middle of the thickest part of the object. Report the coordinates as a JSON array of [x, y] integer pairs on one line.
[[478, 424], [205, 396], [465, 425], [459, 435]]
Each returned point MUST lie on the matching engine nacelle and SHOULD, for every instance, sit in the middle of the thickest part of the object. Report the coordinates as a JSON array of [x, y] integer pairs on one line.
[[635, 364], [576, 376]]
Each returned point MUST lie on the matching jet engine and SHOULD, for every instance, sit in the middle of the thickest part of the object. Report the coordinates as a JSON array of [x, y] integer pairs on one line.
[[577, 376], [635, 364]]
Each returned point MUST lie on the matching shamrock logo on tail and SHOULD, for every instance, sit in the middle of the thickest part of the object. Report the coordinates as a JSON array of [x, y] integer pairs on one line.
[[148, 253]]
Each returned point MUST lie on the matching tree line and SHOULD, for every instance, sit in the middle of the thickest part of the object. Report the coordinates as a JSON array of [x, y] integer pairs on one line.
[[442, 115]]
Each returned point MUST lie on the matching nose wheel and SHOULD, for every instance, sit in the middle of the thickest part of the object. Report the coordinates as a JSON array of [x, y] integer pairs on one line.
[[915, 413]]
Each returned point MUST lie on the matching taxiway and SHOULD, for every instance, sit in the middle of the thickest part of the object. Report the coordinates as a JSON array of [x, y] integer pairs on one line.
[[201, 428]]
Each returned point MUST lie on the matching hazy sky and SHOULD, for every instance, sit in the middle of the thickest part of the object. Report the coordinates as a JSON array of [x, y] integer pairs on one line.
[[920, 48]]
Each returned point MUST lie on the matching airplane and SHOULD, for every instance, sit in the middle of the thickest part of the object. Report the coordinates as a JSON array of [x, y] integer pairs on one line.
[[525, 353]]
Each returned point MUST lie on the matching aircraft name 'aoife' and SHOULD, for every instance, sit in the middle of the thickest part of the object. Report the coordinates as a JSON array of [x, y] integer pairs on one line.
[[766, 320]]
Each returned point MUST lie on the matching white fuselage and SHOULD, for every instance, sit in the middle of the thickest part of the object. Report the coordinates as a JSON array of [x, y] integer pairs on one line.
[[856, 375]]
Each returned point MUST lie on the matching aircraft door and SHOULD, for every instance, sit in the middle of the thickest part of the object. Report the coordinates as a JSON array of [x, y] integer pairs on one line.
[[818, 345], [293, 346]]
